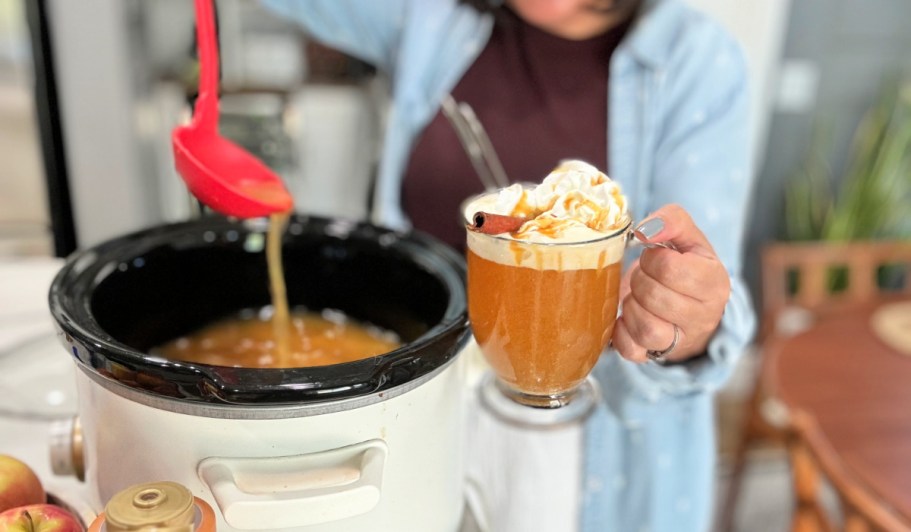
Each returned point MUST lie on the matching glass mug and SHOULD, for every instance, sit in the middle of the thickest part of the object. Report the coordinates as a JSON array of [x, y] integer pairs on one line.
[[542, 313]]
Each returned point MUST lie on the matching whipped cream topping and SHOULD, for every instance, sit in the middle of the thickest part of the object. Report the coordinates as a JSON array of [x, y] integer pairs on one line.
[[576, 203]]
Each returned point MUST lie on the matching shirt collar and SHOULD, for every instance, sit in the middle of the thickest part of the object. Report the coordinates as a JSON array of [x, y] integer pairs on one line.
[[651, 38]]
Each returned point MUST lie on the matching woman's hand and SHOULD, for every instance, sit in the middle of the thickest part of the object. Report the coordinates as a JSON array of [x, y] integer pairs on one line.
[[688, 288]]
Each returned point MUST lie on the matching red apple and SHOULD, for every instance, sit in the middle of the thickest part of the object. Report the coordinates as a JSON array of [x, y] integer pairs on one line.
[[19, 485], [39, 518]]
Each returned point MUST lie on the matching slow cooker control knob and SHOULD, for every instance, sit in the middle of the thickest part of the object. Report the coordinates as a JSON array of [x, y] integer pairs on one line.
[[67, 457]]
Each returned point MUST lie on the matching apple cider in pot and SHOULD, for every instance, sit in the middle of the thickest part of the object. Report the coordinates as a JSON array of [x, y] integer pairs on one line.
[[311, 339], [276, 337]]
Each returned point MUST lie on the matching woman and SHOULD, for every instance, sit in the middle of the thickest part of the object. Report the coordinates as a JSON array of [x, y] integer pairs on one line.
[[656, 94]]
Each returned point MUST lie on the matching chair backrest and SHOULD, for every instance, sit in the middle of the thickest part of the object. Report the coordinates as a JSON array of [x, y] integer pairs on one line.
[[811, 275]]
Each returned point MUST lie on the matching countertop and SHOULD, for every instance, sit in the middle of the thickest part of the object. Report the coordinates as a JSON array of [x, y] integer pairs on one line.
[[27, 340]]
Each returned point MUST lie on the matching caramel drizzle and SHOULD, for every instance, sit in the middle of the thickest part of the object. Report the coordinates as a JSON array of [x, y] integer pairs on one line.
[[495, 224]]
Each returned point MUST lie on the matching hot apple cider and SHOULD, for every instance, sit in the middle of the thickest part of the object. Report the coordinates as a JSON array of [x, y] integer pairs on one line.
[[543, 291], [538, 339]]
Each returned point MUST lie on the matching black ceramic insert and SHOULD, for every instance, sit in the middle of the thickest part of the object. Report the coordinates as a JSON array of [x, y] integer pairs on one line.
[[114, 302]]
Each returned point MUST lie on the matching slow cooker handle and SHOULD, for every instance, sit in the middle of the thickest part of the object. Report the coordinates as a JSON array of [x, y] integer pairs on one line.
[[294, 491]]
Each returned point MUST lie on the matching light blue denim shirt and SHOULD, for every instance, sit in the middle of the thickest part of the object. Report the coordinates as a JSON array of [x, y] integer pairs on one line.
[[678, 133]]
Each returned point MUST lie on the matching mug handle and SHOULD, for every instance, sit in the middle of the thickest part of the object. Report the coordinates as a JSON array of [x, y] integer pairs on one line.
[[293, 491], [635, 239]]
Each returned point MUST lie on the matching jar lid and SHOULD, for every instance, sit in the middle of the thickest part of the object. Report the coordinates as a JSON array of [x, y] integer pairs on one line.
[[154, 505]]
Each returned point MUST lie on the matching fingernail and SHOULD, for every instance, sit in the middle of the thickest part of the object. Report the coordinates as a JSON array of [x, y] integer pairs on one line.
[[650, 228]]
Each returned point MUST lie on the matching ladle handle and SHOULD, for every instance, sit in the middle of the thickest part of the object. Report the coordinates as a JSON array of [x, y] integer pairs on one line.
[[206, 110]]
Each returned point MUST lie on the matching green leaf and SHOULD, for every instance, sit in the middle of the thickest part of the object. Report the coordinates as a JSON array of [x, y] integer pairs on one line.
[[874, 195]]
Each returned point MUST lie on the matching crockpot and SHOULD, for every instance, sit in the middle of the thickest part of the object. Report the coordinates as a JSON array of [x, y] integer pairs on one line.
[[368, 445]]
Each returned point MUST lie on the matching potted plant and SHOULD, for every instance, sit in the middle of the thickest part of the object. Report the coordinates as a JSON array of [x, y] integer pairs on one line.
[[871, 200]]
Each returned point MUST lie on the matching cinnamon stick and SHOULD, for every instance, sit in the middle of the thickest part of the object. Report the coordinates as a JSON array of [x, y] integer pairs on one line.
[[495, 224]]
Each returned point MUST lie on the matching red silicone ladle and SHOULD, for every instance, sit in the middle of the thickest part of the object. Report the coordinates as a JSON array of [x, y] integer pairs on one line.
[[221, 174]]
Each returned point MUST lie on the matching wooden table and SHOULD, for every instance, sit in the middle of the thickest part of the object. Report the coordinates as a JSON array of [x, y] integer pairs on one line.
[[857, 389]]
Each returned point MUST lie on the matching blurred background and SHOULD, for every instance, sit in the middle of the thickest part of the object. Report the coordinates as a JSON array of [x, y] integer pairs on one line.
[[90, 90]]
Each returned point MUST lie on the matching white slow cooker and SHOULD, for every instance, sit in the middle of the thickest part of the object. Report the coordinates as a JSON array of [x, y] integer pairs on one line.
[[373, 445]]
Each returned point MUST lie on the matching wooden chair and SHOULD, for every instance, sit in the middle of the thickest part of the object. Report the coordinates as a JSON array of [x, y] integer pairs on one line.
[[813, 462], [801, 274], [800, 279]]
